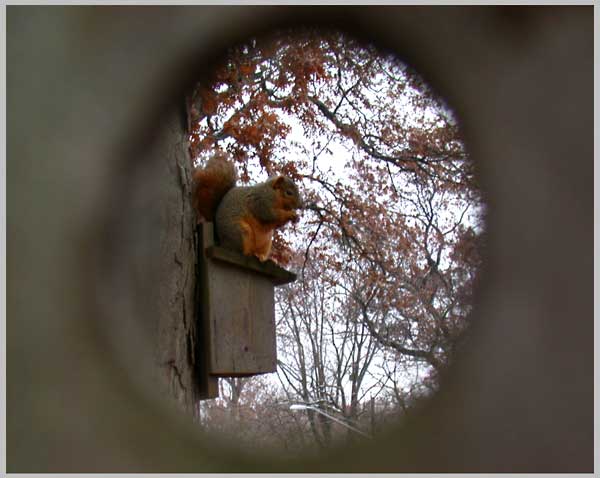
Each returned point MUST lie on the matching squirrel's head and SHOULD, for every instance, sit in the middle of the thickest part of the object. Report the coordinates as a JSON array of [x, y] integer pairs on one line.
[[288, 193]]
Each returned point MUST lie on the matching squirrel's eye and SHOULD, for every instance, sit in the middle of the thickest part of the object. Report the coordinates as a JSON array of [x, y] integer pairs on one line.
[[289, 193]]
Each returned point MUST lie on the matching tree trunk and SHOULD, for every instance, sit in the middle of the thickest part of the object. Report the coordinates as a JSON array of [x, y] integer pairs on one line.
[[177, 335]]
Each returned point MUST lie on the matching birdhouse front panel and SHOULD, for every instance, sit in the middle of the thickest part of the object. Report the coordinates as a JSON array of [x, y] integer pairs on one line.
[[241, 321]]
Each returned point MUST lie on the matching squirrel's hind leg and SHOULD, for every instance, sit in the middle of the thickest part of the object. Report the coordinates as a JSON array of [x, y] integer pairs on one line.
[[263, 241], [256, 239], [248, 239]]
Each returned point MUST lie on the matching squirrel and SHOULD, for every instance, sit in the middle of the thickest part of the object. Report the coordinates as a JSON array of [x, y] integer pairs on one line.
[[244, 216]]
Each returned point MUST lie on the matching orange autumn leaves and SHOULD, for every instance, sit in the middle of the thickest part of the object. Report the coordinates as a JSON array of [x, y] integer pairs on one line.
[[400, 214]]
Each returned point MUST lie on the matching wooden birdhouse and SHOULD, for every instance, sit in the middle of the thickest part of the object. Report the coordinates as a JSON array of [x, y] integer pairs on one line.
[[237, 312]]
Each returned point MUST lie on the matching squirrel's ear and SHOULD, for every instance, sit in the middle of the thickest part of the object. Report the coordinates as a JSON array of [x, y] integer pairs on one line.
[[278, 183]]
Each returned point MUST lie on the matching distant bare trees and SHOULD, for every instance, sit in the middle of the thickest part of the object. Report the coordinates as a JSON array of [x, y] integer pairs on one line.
[[390, 245]]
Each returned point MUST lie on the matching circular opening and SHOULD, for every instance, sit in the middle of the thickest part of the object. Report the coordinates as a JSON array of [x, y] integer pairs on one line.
[[388, 248]]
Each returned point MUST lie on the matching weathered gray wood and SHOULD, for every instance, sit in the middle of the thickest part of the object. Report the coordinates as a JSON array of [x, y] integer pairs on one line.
[[242, 322], [238, 312], [209, 384], [278, 275]]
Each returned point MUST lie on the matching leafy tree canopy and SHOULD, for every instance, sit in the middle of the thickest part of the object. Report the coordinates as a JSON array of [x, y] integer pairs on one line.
[[391, 241]]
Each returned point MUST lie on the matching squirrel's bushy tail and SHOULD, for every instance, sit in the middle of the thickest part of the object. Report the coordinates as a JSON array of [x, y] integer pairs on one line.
[[211, 183]]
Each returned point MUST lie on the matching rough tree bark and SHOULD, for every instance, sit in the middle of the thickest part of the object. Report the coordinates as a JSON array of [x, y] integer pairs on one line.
[[176, 339]]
